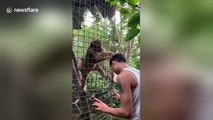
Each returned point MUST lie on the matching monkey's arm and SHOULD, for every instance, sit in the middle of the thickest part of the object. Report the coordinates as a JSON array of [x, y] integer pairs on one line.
[[103, 56], [101, 70]]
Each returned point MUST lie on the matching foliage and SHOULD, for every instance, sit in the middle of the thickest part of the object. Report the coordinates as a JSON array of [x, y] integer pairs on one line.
[[129, 10], [135, 59], [132, 33]]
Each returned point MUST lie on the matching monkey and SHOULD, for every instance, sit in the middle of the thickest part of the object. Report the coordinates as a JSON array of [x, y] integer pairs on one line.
[[92, 61]]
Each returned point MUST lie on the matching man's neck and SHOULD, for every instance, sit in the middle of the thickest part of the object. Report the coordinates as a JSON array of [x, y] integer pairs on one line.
[[123, 65]]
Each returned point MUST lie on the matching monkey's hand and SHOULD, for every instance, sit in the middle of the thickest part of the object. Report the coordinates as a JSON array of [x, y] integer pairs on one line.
[[109, 55], [107, 77], [113, 53]]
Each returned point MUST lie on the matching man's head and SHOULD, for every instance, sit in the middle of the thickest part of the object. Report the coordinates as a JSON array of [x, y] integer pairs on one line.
[[116, 61]]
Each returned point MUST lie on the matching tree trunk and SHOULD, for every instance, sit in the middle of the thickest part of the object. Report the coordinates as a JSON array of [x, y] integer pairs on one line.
[[129, 51]]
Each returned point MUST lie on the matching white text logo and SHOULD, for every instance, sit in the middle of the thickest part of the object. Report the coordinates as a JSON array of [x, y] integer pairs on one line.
[[9, 10], [21, 10]]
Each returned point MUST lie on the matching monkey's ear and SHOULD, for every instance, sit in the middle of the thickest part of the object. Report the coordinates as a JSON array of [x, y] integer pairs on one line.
[[91, 45]]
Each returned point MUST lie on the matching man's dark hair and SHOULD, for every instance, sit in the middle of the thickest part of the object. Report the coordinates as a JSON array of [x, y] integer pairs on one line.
[[117, 57]]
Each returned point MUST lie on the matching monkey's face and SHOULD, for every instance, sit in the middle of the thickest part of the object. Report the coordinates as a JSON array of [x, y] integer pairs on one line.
[[96, 46]]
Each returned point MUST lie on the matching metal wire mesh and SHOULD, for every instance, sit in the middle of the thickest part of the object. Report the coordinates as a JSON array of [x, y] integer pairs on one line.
[[92, 20]]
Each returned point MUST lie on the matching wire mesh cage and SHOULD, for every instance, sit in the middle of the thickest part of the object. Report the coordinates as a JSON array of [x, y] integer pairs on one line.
[[92, 21]]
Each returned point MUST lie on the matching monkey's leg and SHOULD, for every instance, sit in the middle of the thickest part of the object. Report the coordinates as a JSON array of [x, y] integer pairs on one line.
[[84, 80]]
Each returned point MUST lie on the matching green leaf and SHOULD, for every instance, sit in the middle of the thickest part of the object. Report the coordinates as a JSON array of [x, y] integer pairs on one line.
[[124, 11], [132, 33], [139, 41], [112, 2], [133, 2], [122, 2], [134, 20]]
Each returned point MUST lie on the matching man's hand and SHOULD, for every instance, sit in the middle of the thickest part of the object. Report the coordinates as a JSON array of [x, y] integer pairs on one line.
[[100, 106], [116, 95]]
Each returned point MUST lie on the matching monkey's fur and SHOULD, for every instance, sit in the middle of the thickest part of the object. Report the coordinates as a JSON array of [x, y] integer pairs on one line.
[[93, 57]]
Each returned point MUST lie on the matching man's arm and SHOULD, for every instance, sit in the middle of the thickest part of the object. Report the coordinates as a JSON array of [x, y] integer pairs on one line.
[[125, 96]]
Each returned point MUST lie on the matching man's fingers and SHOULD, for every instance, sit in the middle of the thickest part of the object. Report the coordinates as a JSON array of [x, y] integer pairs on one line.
[[113, 91], [94, 104], [96, 99]]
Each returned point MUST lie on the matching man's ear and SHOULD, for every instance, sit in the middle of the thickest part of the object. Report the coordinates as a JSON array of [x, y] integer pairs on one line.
[[113, 62]]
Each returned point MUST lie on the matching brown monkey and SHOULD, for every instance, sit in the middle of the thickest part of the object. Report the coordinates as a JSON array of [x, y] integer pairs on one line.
[[93, 57]]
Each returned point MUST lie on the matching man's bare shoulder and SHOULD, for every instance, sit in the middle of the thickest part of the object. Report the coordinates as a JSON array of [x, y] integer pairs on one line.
[[126, 75]]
